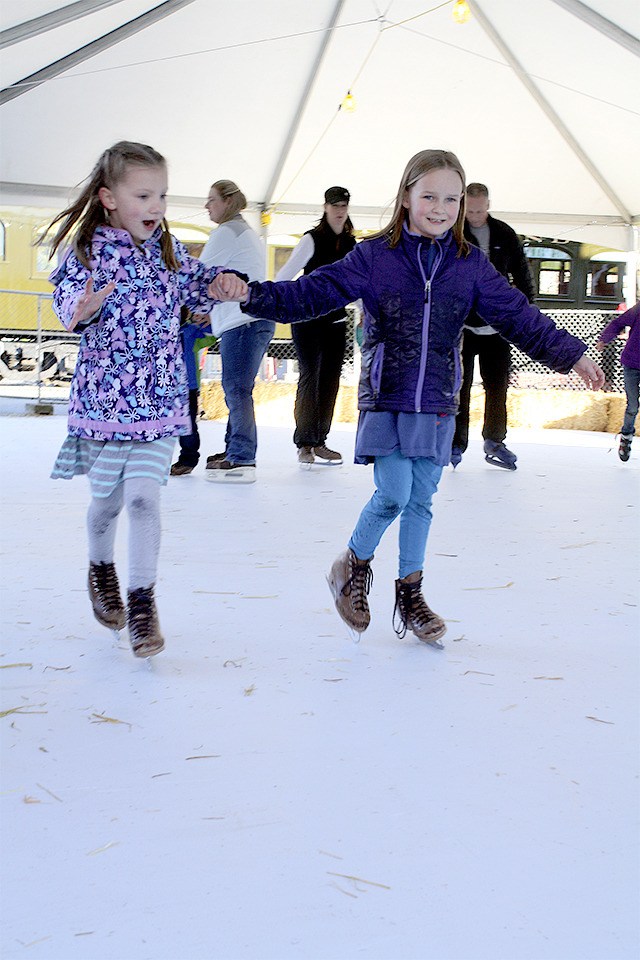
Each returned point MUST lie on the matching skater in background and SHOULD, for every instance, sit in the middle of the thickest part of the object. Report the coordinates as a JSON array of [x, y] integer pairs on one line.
[[122, 284], [243, 341], [320, 344], [193, 329], [630, 360], [501, 245], [418, 280]]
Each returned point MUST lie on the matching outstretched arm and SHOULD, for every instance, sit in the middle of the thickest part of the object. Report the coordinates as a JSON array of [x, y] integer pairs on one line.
[[590, 372]]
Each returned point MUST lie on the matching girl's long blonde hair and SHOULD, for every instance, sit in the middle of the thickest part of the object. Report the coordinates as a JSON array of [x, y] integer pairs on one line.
[[421, 163], [83, 216]]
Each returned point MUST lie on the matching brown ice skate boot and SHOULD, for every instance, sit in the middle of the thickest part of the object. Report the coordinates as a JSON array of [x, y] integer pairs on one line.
[[414, 614], [350, 580], [144, 628], [104, 592]]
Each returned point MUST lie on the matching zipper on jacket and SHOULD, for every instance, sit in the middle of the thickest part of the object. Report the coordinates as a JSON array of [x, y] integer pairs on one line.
[[426, 317]]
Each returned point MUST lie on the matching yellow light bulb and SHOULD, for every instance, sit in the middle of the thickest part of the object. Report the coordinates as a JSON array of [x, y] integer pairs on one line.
[[265, 218], [349, 103], [461, 12]]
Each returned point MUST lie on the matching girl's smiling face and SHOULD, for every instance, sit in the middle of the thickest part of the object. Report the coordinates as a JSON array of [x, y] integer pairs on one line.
[[138, 202], [433, 203]]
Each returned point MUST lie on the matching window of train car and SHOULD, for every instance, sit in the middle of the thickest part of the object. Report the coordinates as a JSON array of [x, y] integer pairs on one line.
[[3, 241], [551, 269], [603, 280]]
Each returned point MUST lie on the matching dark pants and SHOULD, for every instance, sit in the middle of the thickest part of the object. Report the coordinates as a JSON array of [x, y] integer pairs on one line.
[[494, 355], [190, 446], [320, 346]]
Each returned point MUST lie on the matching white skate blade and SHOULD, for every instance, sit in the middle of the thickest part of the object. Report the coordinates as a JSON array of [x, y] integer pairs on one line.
[[239, 475], [319, 462], [436, 643], [495, 462]]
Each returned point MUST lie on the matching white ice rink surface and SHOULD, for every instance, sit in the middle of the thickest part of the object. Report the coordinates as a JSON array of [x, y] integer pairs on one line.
[[267, 789]]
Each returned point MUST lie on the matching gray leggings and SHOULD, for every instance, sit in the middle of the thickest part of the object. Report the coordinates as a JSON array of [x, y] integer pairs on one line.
[[142, 499]]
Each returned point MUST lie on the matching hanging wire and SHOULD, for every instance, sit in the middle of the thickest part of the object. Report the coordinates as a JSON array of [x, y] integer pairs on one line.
[[384, 26]]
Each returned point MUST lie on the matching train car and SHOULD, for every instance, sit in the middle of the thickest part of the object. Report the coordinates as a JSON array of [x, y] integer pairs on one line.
[[575, 276]]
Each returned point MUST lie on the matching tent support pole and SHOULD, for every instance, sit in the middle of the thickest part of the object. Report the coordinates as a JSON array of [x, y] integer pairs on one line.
[[306, 93], [57, 18], [544, 104], [598, 22], [91, 49]]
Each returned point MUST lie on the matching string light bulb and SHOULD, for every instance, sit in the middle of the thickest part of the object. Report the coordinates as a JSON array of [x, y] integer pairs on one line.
[[349, 103], [265, 218], [461, 12]]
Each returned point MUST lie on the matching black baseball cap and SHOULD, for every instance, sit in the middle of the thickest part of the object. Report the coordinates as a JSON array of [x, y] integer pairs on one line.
[[337, 195]]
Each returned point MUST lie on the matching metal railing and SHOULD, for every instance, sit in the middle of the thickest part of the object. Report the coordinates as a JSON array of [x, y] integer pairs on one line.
[[36, 353]]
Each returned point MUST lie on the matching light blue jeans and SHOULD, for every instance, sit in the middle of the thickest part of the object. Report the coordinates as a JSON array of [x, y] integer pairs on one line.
[[404, 487], [241, 351], [632, 390]]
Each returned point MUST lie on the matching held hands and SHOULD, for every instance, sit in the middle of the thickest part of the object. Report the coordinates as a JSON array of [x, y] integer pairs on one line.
[[590, 372], [228, 286], [90, 302]]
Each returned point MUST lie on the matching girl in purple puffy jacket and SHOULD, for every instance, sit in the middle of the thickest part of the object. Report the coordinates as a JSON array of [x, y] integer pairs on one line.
[[418, 280]]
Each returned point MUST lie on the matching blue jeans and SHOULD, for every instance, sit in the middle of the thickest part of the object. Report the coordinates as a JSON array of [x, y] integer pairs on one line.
[[632, 390], [241, 351], [405, 487]]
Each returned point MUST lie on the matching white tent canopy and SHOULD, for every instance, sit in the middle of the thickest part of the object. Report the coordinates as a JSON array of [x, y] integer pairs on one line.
[[538, 99]]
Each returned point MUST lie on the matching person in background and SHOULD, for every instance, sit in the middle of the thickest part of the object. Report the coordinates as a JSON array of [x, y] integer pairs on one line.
[[191, 331], [418, 280], [501, 245], [320, 343], [630, 360], [243, 341]]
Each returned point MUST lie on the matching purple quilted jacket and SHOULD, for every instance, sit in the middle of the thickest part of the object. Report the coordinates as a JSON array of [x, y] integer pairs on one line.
[[414, 317]]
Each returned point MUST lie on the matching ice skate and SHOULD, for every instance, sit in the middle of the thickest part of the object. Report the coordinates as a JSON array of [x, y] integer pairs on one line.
[[306, 458], [181, 469], [456, 457], [350, 580], [499, 455], [326, 456], [104, 592], [216, 457], [144, 628], [411, 612], [624, 449], [223, 471]]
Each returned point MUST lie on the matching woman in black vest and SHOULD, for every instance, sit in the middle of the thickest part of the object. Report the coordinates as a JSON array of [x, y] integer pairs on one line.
[[320, 343]]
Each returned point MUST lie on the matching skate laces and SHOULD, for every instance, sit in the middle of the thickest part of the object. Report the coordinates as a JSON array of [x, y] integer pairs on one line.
[[104, 581], [410, 606], [141, 607], [358, 584]]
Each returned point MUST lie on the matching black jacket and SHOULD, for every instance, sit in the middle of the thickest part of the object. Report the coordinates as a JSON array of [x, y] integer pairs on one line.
[[507, 256]]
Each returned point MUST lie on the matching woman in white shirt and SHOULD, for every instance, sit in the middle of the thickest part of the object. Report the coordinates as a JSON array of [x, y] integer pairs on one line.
[[243, 340]]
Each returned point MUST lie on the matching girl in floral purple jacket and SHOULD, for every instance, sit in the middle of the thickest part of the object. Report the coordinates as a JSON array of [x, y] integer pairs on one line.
[[122, 284]]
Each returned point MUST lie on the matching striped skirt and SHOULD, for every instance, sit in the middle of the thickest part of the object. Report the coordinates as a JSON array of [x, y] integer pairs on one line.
[[110, 462]]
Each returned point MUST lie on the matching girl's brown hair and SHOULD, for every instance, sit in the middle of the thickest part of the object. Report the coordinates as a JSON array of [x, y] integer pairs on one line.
[[421, 163], [83, 216], [228, 190]]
